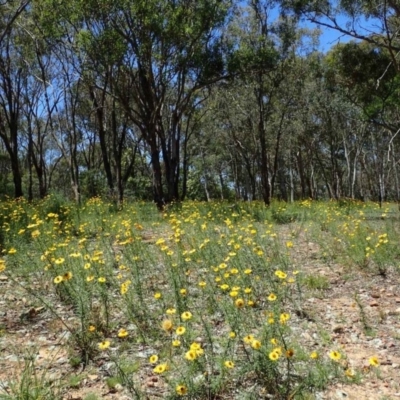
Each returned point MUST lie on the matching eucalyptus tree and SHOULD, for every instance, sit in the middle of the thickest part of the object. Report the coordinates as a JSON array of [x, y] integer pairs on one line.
[[41, 99], [139, 51], [12, 72], [10, 10], [265, 52], [172, 47], [353, 68], [373, 21]]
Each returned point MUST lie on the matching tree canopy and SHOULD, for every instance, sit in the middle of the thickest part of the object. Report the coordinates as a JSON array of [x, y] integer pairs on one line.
[[167, 100]]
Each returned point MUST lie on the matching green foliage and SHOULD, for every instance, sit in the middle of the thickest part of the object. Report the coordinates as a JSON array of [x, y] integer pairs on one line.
[[368, 72], [315, 282], [284, 214], [91, 396]]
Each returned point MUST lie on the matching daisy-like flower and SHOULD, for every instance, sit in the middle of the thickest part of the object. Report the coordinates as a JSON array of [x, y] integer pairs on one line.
[[280, 274], [248, 339], [157, 295], [92, 328], [102, 279], [349, 373], [197, 348], [122, 333], [160, 368], [314, 355], [167, 325], [67, 276], [229, 364], [284, 317], [289, 353], [248, 271], [274, 355], [153, 359], [181, 390], [232, 335], [176, 343], [180, 330], [171, 311], [59, 260], [272, 297], [186, 316], [239, 303], [255, 344], [335, 355], [58, 279], [374, 361], [104, 345], [191, 355]]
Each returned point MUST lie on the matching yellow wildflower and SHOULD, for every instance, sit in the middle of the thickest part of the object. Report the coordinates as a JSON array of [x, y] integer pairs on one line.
[[105, 344]]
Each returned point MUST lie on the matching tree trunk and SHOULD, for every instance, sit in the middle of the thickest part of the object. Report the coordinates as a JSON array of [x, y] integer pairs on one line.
[[158, 192], [264, 168]]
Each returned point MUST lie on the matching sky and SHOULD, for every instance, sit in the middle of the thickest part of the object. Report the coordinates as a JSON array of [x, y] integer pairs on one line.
[[331, 37]]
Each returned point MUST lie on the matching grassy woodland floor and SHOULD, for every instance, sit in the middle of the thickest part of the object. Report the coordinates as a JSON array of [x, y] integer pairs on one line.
[[203, 301]]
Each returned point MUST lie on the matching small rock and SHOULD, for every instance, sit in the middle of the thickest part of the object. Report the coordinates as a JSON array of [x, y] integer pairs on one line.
[[118, 387], [311, 300], [12, 358], [377, 342], [354, 338], [397, 299], [52, 377], [340, 394], [306, 336], [375, 295], [145, 353], [373, 304]]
